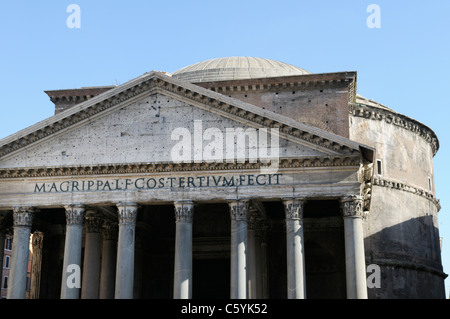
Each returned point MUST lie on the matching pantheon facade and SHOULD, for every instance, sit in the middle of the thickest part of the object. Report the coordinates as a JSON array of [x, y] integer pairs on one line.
[[232, 178]]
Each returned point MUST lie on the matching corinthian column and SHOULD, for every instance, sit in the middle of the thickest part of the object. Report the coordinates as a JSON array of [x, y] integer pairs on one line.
[[92, 253], [109, 253], [22, 220], [293, 209], [182, 286], [71, 278], [239, 216], [125, 250], [355, 264]]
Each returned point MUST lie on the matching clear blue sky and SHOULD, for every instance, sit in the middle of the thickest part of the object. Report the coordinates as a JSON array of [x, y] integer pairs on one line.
[[405, 64]]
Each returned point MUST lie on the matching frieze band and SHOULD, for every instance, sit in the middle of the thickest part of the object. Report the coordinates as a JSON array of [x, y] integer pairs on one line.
[[156, 183]]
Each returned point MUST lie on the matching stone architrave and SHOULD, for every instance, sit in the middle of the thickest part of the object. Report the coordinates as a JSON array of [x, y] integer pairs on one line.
[[184, 211], [125, 250], [295, 248], [22, 221], [71, 274], [352, 212], [239, 246]]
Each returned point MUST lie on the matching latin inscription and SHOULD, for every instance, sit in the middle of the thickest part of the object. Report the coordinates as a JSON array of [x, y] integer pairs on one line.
[[143, 183]]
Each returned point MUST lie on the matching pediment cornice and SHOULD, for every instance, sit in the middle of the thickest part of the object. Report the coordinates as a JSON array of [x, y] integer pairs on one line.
[[170, 167], [252, 115]]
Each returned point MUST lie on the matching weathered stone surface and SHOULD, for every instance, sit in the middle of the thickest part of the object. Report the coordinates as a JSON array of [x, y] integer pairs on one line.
[[113, 153], [138, 133]]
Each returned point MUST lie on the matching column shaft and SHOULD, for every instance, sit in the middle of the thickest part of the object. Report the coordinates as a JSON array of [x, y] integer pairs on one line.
[[354, 248], [109, 253], [296, 279], [254, 229], [71, 274], [238, 276], [183, 250], [3, 218], [251, 264], [91, 267], [22, 218], [125, 250]]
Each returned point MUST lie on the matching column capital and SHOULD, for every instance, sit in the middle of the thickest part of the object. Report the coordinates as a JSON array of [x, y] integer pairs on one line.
[[110, 230], [23, 216], [293, 208], [352, 206], [127, 213], [239, 209], [75, 214], [184, 211], [93, 222], [253, 218]]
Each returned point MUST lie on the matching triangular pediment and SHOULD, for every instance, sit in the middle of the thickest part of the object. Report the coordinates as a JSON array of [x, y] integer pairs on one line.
[[134, 122]]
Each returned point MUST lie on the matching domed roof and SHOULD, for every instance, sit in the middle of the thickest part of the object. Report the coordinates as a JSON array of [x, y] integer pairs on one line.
[[236, 68]]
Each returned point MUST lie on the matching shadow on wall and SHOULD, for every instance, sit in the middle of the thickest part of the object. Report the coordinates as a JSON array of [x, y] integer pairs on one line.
[[409, 258]]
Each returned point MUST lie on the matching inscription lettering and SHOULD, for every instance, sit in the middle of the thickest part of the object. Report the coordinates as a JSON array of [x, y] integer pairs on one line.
[[142, 183]]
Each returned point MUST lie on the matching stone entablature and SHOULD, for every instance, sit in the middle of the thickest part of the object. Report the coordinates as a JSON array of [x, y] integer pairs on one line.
[[390, 117], [76, 95], [130, 168], [170, 186], [302, 82], [382, 182], [65, 99]]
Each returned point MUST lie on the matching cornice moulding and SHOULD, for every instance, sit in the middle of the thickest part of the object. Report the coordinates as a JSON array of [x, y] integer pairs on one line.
[[381, 182], [164, 167], [390, 117]]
